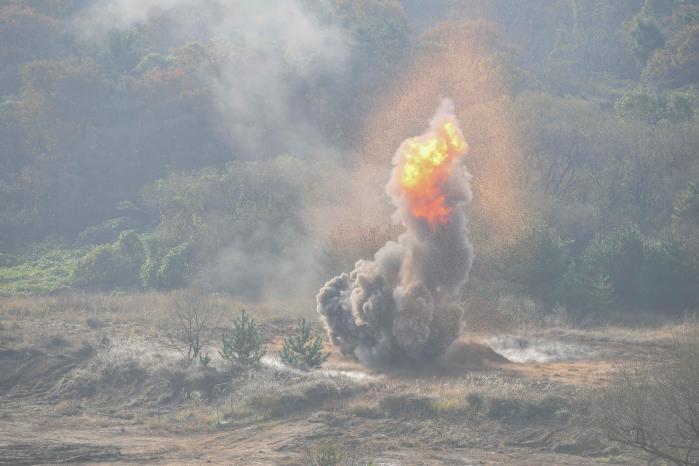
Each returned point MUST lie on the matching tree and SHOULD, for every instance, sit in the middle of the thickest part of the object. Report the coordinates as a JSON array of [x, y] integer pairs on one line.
[[303, 351], [112, 265], [655, 407], [620, 257], [538, 262], [647, 37], [192, 320], [677, 64], [244, 345]]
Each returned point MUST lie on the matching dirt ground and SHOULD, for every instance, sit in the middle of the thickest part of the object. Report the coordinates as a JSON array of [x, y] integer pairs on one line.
[[85, 382]]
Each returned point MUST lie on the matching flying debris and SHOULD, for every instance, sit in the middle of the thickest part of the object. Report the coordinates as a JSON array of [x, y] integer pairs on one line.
[[402, 306]]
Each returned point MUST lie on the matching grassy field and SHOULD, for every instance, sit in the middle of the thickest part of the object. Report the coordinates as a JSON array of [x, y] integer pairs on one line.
[[97, 373]]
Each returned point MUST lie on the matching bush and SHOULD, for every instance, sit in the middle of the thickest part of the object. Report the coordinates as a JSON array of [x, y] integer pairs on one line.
[[668, 277], [655, 408], [686, 206], [549, 407], [620, 257], [329, 453], [190, 325], [176, 267], [244, 346], [538, 261], [326, 454], [8, 260], [301, 350], [112, 265], [577, 291], [105, 232], [149, 273], [407, 406]]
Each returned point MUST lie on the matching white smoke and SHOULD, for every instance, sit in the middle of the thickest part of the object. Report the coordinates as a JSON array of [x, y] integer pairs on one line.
[[267, 58], [264, 52], [402, 305], [536, 349]]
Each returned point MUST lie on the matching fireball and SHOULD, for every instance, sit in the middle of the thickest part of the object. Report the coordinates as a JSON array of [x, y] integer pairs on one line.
[[425, 163]]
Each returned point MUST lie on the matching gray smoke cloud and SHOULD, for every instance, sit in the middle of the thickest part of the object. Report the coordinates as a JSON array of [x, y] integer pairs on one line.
[[403, 304]]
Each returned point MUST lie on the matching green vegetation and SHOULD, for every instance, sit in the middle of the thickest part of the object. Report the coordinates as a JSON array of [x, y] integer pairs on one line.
[[330, 453], [41, 272], [244, 344], [302, 350], [652, 407], [112, 265], [130, 153]]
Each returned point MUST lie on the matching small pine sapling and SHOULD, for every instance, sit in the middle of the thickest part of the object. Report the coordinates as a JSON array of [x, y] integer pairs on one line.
[[303, 351], [205, 360], [244, 345]]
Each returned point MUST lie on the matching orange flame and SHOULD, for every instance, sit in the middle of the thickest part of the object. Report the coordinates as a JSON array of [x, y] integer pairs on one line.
[[426, 164]]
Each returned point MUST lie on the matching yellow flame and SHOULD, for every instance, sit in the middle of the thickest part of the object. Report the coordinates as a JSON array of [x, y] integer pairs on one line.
[[426, 162]]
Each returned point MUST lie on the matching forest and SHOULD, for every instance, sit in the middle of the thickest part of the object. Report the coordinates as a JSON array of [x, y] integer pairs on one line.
[[147, 148]]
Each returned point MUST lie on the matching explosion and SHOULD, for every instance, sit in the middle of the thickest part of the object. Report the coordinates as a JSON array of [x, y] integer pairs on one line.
[[424, 164], [401, 306]]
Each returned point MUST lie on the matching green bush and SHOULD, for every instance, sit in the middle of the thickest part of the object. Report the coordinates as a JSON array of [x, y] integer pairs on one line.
[[303, 351], [112, 265], [329, 453], [669, 276], [149, 273], [105, 232], [620, 257], [577, 291], [538, 261], [176, 267], [244, 345], [8, 260], [686, 206]]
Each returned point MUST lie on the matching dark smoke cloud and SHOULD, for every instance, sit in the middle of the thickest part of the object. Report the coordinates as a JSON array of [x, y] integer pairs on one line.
[[401, 306]]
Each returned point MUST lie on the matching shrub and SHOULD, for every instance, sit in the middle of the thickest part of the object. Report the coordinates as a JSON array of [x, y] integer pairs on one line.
[[175, 267], [329, 453], [668, 277], [149, 273], [407, 406], [538, 261], [130, 254], [367, 410], [96, 267], [475, 402], [112, 265], [655, 408], [686, 206], [244, 345], [8, 260], [510, 409], [105, 232], [301, 350], [326, 454], [579, 291], [190, 324], [620, 257]]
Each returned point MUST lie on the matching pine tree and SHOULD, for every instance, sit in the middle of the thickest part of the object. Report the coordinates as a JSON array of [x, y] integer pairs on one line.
[[244, 346], [302, 351]]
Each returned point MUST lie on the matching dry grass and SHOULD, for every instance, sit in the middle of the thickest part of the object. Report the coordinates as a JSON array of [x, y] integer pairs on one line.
[[87, 316], [135, 307], [132, 375]]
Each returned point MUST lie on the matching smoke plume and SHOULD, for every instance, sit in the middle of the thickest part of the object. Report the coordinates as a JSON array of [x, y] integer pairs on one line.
[[402, 305]]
